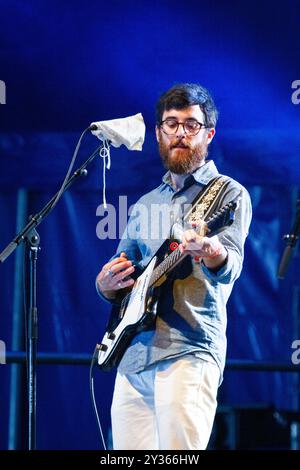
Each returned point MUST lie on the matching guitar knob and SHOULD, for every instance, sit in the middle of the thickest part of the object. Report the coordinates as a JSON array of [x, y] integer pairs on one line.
[[102, 347], [174, 246], [111, 335]]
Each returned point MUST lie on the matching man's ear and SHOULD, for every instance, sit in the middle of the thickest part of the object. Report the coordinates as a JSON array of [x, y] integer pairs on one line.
[[157, 132], [210, 135]]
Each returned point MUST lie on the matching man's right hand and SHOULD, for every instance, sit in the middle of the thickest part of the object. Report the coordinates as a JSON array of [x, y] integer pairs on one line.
[[115, 276]]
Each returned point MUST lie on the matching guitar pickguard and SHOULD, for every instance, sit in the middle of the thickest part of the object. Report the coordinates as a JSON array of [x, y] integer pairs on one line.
[[133, 317]]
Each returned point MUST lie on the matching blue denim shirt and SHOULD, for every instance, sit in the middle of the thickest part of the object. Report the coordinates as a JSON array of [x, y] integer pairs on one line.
[[191, 311]]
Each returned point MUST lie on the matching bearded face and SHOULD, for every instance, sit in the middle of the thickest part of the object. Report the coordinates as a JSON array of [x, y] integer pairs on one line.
[[182, 157], [180, 152]]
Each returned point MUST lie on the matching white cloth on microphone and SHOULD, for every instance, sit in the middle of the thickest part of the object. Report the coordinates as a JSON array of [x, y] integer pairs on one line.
[[129, 131]]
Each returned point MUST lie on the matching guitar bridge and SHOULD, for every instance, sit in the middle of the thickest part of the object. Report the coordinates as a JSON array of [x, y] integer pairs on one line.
[[102, 347]]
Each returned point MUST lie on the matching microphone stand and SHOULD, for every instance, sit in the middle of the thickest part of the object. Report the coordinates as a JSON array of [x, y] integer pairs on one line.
[[291, 240], [29, 235]]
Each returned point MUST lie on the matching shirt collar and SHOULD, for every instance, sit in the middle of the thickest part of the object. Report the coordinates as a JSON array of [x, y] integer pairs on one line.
[[202, 175]]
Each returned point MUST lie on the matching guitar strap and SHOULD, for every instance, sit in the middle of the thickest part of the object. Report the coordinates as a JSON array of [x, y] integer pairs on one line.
[[206, 201], [203, 205]]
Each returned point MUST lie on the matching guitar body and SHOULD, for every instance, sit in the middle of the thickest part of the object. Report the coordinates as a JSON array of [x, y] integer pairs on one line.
[[138, 308], [137, 313]]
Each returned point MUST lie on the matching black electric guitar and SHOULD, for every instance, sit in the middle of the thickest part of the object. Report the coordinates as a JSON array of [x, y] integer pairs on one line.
[[138, 308]]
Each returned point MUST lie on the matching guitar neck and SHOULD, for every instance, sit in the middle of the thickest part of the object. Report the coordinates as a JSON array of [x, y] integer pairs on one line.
[[166, 265], [217, 222]]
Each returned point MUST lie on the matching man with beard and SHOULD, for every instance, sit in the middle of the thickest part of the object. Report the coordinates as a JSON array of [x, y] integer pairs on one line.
[[167, 381]]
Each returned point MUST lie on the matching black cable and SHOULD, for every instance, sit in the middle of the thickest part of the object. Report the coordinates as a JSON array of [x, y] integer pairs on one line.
[[62, 188], [92, 394]]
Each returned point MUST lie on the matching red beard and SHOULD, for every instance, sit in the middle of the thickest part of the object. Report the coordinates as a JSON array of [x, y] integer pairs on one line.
[[181, 158]]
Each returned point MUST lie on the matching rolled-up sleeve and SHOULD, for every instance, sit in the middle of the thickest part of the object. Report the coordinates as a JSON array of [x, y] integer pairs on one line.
[[129, 245], [233, 237]]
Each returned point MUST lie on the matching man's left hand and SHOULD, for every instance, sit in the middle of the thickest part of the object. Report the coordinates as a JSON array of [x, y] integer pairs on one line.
[[211, 250]]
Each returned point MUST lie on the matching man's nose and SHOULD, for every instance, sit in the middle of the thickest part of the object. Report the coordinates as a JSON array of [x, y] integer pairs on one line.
[[181, 130]]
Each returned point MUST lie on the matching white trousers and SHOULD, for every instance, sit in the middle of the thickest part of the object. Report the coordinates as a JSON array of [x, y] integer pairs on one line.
[[168, 406]]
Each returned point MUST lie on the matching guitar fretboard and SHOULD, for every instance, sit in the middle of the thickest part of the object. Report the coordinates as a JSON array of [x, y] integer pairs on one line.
[[166, 265], [218, 220]]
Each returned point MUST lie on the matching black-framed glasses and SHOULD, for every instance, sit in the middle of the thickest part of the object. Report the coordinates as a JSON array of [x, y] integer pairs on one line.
[[191, 126]]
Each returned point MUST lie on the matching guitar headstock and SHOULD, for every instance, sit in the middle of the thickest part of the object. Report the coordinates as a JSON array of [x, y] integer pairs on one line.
[[222, 218]]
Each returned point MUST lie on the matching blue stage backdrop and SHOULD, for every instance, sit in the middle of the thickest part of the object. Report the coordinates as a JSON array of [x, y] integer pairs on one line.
[[68, 64]]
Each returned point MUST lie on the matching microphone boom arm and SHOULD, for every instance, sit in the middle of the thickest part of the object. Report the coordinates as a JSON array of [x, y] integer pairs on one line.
[[37, 218], [291, 240]]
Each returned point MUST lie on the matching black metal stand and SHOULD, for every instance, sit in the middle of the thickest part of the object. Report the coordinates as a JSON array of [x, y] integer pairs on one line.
[[291, 240], [33, 241], [31, 237]]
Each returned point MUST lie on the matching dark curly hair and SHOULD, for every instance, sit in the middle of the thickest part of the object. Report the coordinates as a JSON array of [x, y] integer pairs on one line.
[[183, 95]]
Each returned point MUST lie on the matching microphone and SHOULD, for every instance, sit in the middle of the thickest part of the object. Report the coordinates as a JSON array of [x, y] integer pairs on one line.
[[291, 240], [129, 131]]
